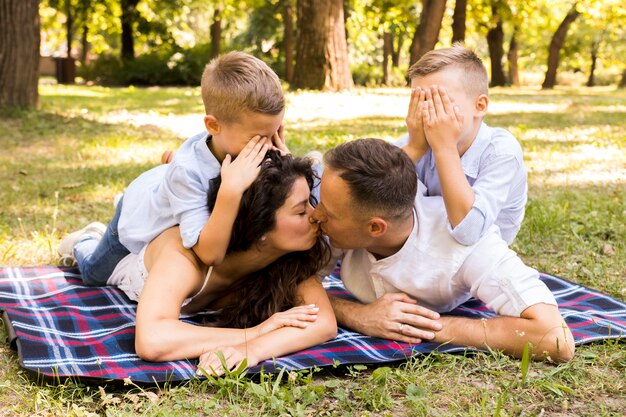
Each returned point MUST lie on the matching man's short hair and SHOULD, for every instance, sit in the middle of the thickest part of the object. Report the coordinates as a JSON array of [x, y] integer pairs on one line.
[[476, 81], [381, 177], [238, 82]]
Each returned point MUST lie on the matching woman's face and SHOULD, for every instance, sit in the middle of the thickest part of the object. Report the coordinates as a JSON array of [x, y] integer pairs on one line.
[[294, 231]]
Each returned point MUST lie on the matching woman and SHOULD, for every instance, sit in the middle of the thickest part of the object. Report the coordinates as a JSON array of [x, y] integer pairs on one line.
[[269, 299]]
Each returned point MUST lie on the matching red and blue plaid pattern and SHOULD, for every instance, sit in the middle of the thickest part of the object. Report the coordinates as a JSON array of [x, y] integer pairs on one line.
[[62, 328]]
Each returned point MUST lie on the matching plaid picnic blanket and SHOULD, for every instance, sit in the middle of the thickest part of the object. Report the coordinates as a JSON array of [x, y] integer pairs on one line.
[[61, 328]]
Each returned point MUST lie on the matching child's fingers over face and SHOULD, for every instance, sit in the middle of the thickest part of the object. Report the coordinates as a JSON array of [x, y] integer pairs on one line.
[[249, 148], [447, 101], [437, 101], [414, 104]]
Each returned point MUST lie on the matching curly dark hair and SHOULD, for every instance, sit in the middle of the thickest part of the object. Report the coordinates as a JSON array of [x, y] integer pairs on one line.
[[273, 288]]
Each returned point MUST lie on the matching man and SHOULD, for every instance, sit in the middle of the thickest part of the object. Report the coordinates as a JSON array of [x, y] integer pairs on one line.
[[403, 266]]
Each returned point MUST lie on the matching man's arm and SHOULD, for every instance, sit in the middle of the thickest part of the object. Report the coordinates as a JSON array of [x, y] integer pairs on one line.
[[394, 316], [541, 325]]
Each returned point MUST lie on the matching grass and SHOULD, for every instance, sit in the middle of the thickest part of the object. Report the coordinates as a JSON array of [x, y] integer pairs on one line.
[[62, 165]]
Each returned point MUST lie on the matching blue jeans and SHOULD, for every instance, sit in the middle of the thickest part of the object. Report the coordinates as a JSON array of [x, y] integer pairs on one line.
[[98, 258]]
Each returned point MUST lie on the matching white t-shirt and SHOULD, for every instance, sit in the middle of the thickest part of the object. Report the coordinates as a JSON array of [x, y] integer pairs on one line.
[[169, 195], [441, 273], [494, 168]]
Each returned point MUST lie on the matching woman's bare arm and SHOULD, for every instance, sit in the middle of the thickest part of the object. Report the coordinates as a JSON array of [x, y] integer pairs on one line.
[[281, 341], [176, 273]]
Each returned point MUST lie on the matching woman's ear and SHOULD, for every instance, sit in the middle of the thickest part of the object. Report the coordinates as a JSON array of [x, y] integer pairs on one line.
[[212, 124], [376, 227]]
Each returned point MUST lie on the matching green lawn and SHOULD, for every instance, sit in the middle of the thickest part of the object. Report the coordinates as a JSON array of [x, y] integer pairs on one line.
[[61, 166]]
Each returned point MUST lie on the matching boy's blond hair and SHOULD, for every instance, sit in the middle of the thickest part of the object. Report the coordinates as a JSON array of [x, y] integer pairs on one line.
[[238, 82], [475, 77]]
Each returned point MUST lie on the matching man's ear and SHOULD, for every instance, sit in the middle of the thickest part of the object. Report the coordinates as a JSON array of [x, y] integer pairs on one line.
[[212, 124], [482, 104], [376, 227]]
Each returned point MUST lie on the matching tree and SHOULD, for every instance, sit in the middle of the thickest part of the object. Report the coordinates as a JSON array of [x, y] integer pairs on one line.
[[216, 32], [511, 58], [495, 40], [19, 53], [427, 32], [322, 53], [288, 38], [128, 20], [622, 82], [558, 39], [458, 21]]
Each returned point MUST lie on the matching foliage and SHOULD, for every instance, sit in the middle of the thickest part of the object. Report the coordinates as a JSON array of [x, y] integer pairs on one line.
[[257, 27], [165, 66]]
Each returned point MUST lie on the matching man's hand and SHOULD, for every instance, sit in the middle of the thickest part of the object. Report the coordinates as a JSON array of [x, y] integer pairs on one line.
[[417, 145], [443, 121], [239, 174], [394, 316]]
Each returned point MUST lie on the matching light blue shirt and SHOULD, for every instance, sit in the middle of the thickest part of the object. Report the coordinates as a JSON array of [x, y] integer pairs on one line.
[[494, 168], [169, 195]]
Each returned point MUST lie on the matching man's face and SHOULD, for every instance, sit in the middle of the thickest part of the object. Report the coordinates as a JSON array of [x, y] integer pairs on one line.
[[336, 215]]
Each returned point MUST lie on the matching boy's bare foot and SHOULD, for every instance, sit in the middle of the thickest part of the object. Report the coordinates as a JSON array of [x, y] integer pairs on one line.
[[167, 157]]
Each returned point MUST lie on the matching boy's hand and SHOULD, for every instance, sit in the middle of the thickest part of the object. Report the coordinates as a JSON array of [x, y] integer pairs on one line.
[[278, 141], [417, 145], [443, 121], [239, 174]]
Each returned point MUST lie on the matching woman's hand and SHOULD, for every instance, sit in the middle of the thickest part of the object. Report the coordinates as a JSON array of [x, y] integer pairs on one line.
[[300, 317], [211, 363]]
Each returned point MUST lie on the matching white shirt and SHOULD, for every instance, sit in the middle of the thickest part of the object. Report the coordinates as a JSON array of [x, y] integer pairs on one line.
[[494, 168], [441, 273], [168, 195]]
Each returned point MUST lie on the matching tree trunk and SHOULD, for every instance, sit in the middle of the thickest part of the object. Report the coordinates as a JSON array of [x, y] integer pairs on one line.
[[69, 25], [387, 51], [322, 54], [128, 18], [216, 33], [591, 81], [495, 40], [338, 75], [19, 53], [622, 82], [427, 31], [458, 21], [555, 48], [288, 38], [84, 50], [512, 56], [395, 52]]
